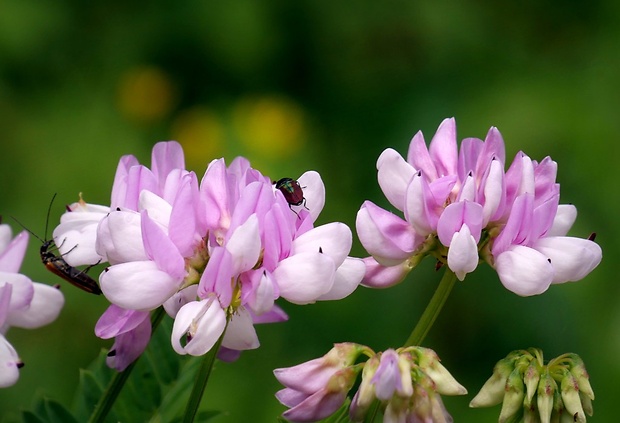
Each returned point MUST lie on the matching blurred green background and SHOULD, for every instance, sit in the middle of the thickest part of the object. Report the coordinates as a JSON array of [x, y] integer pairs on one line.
[[326, 86]]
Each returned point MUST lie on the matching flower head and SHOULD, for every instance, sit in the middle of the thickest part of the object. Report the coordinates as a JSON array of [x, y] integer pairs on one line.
[[216, 253], [530, 389], [23, 303], [407, 382], [461, 207]]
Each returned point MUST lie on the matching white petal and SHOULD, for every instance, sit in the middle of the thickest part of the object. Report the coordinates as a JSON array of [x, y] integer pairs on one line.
[[524, 270], [240, 334], [138, 285], [159, 209], [119, 237], [314, 192], [43, 309], [204, 321], [179, 299], [245, 245], [262, 298], [493, 191], [394, 175], [333, 239], [463, 253], [9, 372], [563, 221], [77, 246], [415, 209], [571, 258], [6, 235], [304, 277], [22, 289], [77, 233], [348, 277], [12, 254]]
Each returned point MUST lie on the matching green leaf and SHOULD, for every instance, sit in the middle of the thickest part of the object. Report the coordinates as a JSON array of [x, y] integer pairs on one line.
[[156, 390], [57, 413], [46, 410], [30, 417], [93, 382], [201, 416], [90, 390]]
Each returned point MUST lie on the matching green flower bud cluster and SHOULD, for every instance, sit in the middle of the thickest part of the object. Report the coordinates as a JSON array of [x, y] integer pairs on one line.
[[533, 392]]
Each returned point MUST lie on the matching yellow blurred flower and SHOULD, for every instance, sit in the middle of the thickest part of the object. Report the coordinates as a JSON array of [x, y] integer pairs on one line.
[[270, 126], [145, 94]]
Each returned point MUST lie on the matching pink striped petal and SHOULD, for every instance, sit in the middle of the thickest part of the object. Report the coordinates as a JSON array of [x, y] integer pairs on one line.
[[384, 235], [443, 148]]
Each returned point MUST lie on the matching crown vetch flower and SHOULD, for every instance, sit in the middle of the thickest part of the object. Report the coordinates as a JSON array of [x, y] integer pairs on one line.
[[23, 303], [215, 253], [408, 383], [460, 206], [529, 389]]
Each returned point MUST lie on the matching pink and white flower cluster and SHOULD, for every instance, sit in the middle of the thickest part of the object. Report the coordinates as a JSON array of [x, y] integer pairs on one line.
[[215, 253], [461, 206], [408, 382], [23, 303]]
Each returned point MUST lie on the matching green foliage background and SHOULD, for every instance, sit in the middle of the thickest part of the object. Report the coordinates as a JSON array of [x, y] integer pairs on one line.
[[326, 86]]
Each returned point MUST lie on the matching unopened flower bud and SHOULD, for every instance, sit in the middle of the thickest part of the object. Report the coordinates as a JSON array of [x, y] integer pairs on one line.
[[578, 369], [513, 398], [365, 394], [570, 396], [546, 393], [445, 383], [531, 378], [492, 392], [557, 392]]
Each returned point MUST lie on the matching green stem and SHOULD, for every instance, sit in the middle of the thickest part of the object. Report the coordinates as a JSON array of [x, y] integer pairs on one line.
[[201, 381], [106, 402], [372, 412], [432, 309]]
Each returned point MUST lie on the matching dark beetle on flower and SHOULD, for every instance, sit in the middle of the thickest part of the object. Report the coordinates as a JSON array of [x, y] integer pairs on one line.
[[292, 191]]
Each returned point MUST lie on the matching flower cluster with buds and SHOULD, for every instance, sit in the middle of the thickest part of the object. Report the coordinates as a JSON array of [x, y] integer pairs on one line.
[[462, 207], [407, 382], [532, 391], [23, 303], [215, 254]]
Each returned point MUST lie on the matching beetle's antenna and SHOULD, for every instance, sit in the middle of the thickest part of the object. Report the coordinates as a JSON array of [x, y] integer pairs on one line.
[[24, 226], [47, 219], [49, 209]]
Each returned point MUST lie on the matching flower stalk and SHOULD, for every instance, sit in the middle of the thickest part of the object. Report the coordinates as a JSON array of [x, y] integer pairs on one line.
[[432, 309], [202, 377]]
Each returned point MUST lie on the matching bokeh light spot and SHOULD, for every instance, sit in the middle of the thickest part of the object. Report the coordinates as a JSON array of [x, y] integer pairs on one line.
[[146, 94], [270, 126]]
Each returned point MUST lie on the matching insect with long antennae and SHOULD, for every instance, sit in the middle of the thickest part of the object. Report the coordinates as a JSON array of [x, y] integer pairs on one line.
[[58, 266]]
